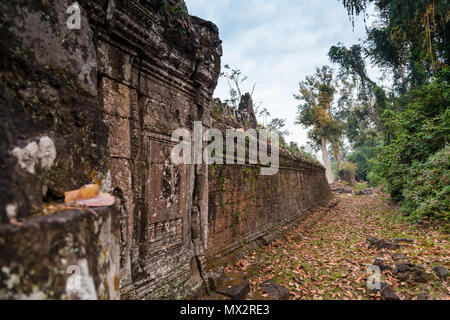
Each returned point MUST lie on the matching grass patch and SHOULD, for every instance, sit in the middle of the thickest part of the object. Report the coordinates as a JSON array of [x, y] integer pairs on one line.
[[361, 186]]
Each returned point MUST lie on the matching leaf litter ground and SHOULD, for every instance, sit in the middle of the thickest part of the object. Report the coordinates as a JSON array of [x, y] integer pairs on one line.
[[327, 256]]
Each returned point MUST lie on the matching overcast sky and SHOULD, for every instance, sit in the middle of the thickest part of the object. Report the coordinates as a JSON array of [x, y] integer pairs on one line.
[[276, 43]]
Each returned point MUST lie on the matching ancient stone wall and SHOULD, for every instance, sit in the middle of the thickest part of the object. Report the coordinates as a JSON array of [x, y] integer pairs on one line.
[[157, 73], [98, 104], [244, 206]]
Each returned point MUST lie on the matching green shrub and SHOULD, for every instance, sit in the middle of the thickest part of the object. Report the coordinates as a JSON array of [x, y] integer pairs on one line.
[[427, 191], [375, 179], [414, 163], [363, 155], [419, 130]]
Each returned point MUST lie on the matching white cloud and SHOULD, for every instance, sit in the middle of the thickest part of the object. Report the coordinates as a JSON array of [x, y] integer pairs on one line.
[[276, 44]]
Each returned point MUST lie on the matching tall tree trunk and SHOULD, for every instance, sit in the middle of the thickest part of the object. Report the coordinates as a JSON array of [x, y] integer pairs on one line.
[[337, 154], [402, 75], [326, 161]]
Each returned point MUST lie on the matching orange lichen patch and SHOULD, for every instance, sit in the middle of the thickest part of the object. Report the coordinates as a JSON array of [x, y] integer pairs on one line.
[[86, 192], [102, 200]]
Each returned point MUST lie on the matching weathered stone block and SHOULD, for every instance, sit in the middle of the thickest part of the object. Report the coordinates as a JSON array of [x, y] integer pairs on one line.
[[234, 286], [119, 136], [122, 181], [116, 98], [42, 32], [116, 63], [274, 290], [69, 255]]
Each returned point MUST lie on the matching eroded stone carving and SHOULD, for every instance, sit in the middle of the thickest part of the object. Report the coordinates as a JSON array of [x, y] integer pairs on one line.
[[176, 221]]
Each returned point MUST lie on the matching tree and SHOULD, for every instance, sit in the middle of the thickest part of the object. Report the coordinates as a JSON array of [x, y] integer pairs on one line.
[[317, 95], [410, 44], [400, 135], [277, 125], [411, 41], [235, 79], [262, 113]]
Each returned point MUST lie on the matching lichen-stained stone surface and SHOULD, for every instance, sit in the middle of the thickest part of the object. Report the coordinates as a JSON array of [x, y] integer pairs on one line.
[[52, 134], [245, 206], [158, 68], [69, 255], [99, 104], [42, 33]]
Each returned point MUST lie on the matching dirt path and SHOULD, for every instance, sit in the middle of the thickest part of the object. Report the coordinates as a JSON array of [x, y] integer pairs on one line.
[[327, 255]]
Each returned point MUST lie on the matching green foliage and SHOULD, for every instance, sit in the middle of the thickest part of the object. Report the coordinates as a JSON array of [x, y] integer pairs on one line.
[[277, 125], [427, 192], [376, 180], [317, 94], [400, 138], [410, 43], [261, 113], [363, 155], [235, 79], [300, 152], [422, 129], [175, 16], [361, 187], [247, 170], [352, 61], [411, 40]]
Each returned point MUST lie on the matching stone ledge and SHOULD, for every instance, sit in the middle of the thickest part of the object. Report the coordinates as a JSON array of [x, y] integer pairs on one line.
[[39, 257]]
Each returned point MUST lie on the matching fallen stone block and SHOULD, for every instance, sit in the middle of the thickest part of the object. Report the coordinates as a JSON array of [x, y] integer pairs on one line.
[[366, 192], [381, 263], [387, 293], [408, 271], [441, 272], [274, 290], [341, 191], [382, 244], [399, 257], [404, 267], [235, 286], [266, 240], [403, 276], [421, 276], [215, 278], [402, 240]]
